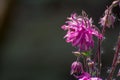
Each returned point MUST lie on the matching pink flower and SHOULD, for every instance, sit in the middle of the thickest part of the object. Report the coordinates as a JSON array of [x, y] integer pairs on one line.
[[80, 32], [86, 76], [92, 78], [76, 67], [108, 19]]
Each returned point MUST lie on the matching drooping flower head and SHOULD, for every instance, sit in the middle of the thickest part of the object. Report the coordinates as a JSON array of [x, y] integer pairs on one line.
[[76, 68], [80, 31], [108, 19]]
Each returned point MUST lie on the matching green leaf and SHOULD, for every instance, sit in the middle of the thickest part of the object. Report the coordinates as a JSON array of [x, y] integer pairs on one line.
[[86, 53]]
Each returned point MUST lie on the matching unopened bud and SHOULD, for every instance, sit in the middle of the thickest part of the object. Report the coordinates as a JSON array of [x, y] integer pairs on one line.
[[76, 53], [76, 67]]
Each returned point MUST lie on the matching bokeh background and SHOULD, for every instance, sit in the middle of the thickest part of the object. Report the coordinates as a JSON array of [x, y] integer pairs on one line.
[[31, 40]]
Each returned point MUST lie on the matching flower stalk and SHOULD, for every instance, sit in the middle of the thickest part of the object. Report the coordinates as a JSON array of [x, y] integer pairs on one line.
[[114, 64]]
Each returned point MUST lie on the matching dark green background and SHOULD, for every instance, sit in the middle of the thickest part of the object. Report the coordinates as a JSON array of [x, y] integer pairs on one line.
[[33, 47]]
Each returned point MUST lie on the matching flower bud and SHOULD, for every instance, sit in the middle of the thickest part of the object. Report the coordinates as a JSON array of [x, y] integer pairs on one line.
[[76, 53], [76, 67]]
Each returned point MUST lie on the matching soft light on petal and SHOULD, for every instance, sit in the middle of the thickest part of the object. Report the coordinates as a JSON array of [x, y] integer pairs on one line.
[[80, 32]]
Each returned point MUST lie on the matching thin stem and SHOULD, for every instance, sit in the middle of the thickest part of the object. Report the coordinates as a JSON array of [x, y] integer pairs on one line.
[[85, 63], [114, 64], [78, 57], [87, 68], [99, 58], [99, 53]]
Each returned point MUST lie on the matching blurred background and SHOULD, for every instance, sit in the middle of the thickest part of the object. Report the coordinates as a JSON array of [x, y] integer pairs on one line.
[[31, 40]]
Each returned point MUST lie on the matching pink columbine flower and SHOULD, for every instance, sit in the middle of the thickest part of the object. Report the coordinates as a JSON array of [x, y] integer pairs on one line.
[[80, 31], [108, 19]]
